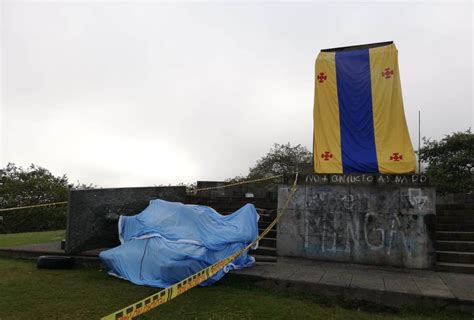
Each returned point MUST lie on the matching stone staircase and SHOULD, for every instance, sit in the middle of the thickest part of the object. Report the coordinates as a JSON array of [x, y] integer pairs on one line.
[[266, 251], [455, 238]]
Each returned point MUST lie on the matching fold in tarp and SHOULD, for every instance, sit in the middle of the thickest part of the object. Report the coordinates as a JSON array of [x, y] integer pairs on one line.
[[169, 241]]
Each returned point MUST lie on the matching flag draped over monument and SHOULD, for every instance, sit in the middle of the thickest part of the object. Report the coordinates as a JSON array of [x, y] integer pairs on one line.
[[359, 121]]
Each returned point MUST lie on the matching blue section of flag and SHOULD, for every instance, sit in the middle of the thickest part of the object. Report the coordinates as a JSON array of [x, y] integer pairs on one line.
[[355, 112]]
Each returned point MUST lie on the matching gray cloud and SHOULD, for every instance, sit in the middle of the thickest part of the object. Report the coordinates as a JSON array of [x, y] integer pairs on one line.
[[127, 94]]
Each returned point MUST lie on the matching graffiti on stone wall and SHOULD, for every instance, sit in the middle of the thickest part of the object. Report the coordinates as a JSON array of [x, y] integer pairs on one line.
[[346, 222], [416, 201], [373, 224]]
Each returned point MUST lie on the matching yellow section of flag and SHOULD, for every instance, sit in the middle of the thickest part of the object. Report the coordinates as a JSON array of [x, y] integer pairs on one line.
[[394, 148], [326, 140]]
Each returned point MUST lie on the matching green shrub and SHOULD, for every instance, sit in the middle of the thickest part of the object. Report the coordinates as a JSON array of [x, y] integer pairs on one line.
[[36, 219], [31, 186]]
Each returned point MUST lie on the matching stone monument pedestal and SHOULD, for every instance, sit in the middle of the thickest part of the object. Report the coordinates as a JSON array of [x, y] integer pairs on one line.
[[370, 219]]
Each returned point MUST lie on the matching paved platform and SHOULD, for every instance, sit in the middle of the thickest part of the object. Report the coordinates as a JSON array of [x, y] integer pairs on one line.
[[393, 287], [33, 251]]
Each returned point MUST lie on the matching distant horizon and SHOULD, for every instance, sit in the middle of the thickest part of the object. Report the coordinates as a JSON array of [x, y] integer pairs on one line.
[[188, 184]]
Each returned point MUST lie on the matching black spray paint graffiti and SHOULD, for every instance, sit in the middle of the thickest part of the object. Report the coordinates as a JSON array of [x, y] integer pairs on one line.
[[415, 199], [338, 222]]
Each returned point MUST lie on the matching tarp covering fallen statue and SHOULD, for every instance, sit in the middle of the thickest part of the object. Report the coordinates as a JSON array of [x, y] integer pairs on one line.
[[169, 241]]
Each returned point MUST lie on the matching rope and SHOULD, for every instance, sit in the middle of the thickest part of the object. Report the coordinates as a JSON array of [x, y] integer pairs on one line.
[[192, 191], [238, 183], [34, 206]]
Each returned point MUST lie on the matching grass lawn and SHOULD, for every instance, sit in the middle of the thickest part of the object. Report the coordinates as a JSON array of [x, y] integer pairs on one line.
[[88, 293], [16, 239]]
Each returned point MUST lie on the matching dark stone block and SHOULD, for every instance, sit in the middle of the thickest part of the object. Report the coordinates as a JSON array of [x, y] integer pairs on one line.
[[93, 214], [386, 224]]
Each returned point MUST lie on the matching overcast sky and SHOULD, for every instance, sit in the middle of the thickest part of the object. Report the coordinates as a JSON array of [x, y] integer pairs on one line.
[[148, 93]]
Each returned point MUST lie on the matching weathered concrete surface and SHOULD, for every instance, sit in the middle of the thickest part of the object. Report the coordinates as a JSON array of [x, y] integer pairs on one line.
[[93, 214], [382, 224], [393, 287], [33, 251]]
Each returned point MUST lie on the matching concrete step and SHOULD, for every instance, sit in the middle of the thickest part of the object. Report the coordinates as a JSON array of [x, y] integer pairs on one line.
[[263, 217], [465, 246], [454, 219], [454, 207], [467, 212], [271, 234], [32, 253], [265, 224], [455, 256], [260, 258], [455, 235], [224, 208], [266, 218], [232, 207], [265, 251], [268, 242], [455, 267], [454, 227]]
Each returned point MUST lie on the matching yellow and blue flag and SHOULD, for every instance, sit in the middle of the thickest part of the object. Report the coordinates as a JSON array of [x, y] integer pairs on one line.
[[359, 121]]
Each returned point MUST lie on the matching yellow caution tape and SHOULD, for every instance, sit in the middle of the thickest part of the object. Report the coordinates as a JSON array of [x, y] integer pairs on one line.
[[176, 289], [34, 206]]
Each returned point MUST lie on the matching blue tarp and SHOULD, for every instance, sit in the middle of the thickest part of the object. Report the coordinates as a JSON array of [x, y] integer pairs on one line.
[[169, 241]]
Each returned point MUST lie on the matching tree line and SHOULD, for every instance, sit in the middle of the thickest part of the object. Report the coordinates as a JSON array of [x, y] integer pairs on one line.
[[448, 162]]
